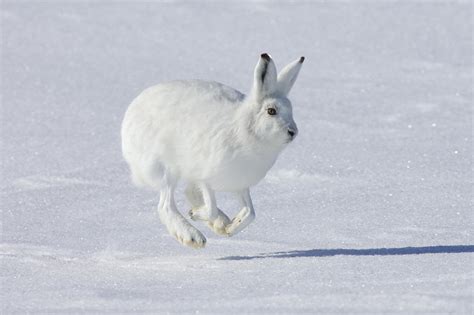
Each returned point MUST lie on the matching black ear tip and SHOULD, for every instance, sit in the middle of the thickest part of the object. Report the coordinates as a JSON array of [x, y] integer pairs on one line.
[[266, 56], [301, 59]]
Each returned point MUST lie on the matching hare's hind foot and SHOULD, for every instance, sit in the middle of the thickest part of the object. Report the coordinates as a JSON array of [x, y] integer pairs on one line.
[[176, 224], [184, 232], [217, 225]]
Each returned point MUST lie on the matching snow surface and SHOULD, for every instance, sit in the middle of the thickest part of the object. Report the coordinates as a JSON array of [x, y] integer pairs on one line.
[[368, 211]]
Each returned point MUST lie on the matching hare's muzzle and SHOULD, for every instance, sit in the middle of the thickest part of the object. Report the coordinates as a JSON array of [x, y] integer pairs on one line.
[[292, 133]]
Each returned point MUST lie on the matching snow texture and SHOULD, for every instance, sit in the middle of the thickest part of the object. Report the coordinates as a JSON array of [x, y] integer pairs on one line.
[[368, 211]]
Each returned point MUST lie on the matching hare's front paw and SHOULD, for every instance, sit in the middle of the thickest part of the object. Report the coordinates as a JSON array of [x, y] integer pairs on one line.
[[219, 225], [241, 220], [199, 214]]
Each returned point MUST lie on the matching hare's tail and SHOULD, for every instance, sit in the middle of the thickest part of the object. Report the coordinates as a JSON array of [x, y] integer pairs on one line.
[[147, 174], [137, 178]]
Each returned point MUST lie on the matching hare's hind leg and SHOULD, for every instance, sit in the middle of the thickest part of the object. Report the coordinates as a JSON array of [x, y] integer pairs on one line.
[[204, 208], [176, 224]]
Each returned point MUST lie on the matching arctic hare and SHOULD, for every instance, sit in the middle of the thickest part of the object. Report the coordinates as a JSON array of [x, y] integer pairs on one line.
[[214, 138]]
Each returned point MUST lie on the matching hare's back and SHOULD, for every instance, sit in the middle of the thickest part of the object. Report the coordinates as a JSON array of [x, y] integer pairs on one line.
[[194, 95], [183, 104]]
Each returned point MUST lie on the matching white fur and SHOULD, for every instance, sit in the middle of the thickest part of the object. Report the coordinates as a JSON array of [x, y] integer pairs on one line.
[[214, 138]]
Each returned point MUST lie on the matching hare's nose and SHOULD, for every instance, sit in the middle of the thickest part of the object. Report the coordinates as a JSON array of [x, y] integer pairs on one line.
[[292, 133]]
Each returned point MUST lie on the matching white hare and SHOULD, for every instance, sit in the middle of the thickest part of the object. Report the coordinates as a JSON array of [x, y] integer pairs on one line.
[[212, 137]]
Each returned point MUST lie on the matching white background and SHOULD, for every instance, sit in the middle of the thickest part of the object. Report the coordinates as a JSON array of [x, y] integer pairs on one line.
[[368, 211]]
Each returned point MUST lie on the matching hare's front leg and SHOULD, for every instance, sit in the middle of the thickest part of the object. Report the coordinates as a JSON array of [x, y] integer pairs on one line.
[[204, 208], [245, 216], [176, 224]]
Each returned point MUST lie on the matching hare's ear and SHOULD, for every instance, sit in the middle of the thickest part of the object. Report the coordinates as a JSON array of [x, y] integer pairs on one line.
[[288, 75], [265, 77]]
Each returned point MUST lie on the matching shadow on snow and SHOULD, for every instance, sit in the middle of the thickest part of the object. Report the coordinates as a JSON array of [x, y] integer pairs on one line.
[[447, 249]]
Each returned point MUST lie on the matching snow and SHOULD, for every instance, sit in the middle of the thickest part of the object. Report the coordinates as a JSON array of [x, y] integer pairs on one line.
[[368, 211]]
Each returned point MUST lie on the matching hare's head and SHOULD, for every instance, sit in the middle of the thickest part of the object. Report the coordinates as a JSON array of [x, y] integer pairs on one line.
[[272, 111]]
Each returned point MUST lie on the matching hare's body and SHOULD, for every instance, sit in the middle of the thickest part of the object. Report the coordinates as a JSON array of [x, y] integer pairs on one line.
[[163, 132], [212, 137]]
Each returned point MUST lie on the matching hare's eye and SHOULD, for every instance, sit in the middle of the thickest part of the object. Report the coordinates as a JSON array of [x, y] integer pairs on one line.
[[271, 111]]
